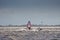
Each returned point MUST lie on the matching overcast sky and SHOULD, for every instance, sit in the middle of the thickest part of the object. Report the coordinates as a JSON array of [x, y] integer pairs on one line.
[[20, 11]]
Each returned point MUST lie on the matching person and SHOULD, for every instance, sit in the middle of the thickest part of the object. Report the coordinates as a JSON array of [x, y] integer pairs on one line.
[[29, 25]]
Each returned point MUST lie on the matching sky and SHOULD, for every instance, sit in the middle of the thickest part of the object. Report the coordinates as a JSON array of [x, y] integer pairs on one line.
[[19, 12]]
